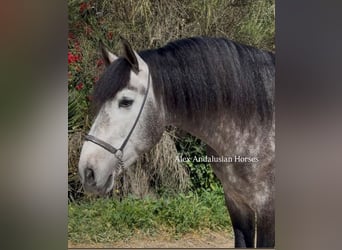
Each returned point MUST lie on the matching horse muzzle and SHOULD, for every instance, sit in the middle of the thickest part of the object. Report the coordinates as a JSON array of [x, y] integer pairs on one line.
[[92, 186]]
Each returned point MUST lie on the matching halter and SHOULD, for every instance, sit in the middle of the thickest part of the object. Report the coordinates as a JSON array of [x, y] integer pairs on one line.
[[118, 153]]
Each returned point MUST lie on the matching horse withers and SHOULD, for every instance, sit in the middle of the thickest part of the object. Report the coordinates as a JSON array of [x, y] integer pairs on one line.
[[218, 90]]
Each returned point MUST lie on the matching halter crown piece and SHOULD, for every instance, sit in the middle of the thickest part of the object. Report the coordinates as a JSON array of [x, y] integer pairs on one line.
[[118, 153]]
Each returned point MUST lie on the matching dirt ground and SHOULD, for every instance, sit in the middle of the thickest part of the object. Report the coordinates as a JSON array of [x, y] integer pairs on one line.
[[222, 239]]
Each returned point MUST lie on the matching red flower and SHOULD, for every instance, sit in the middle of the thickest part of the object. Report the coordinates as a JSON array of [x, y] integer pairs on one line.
[[73, 58], [110, 35], [79, 86], [99, 63], [71, 36], [83, 7]]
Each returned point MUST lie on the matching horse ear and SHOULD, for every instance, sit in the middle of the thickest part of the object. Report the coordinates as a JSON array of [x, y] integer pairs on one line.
[[107, 56], [130, 55]]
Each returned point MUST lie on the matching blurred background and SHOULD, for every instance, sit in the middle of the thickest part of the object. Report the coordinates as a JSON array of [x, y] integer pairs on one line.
[[34, 122]]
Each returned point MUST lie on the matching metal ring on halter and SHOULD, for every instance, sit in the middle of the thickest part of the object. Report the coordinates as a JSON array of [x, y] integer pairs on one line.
[[119, 152]]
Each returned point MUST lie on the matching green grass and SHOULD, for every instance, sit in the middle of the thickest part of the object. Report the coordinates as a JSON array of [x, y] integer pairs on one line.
[[107, 220]]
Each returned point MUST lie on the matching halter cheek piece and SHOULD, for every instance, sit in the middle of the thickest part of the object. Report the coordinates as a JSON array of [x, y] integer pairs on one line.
[[118, 153]]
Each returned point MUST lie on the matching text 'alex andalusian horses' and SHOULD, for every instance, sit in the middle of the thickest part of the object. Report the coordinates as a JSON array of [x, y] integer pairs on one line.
[[218, 90]]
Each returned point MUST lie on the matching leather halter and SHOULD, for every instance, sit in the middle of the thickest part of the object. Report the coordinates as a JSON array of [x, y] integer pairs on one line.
[[119, 152]]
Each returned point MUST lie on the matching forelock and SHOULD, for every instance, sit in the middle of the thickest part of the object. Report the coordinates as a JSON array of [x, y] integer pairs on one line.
[[115, 78]]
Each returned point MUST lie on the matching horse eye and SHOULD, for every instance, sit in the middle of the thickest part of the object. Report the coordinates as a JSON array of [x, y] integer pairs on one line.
[[124, 103]]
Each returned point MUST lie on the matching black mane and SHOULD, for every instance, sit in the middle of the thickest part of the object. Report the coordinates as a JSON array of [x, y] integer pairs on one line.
[[201, 75]]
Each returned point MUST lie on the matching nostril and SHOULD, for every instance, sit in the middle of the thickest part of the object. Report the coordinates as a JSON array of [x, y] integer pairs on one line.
[[89, 176]]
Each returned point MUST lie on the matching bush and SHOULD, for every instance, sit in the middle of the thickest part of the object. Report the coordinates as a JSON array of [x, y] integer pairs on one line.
[[201, 174]]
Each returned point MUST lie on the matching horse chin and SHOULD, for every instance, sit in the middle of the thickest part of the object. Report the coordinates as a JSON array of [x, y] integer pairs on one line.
[[101, 191]]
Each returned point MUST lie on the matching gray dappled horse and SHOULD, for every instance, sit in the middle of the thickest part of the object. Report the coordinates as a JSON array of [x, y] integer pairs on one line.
[[218, 90]]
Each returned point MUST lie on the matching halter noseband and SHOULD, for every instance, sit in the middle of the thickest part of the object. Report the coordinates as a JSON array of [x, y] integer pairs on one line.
[[119, 152]]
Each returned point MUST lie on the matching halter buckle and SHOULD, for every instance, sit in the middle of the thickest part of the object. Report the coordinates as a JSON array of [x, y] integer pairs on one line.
[[119, 154]]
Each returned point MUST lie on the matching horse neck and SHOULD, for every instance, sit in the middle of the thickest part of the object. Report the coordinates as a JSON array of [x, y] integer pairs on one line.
[[212, 131], [222, 133]]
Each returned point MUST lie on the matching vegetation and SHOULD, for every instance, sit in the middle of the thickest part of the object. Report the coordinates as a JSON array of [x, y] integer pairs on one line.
[[107, 220], [201, 175]]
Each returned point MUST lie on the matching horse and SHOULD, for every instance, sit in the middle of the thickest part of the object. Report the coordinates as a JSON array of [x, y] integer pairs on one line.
[[216, 89]]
